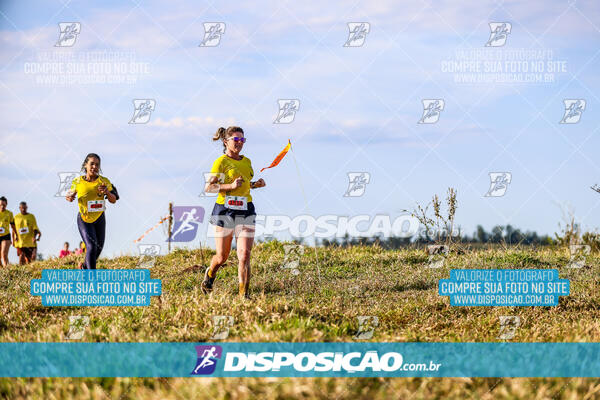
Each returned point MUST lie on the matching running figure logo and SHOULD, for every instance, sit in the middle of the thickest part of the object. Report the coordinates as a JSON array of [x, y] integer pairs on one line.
[[148, 254], [358, 183], [499, 32], [291, 257], [579, 253], [68, 34], [77, 325], [66, 179], [437, 255], [221, 324], [366, 327], [287, 110], [508, 326], [431, 110], [358, 33], [573, 110], [186, 220], [207, 176], [142, 109], [499, 182], [212, 34], [207, 359]]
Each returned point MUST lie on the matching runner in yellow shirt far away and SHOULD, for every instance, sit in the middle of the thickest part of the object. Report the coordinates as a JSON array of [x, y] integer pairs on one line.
[[7, 222], [233, 211], [91, 190], [26, 235]]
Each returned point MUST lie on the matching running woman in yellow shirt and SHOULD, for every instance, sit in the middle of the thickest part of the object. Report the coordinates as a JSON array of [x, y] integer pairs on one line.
[[7, 222], [91, 190], [26, 235], [233, 211]]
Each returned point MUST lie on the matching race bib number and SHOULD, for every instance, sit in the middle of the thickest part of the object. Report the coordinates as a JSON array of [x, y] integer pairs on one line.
[[1, 230], [95, 205], [24, 230], [236, 202]]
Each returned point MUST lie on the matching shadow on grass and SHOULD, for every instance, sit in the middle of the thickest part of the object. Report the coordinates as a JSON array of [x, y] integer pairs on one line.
[[416, 285]]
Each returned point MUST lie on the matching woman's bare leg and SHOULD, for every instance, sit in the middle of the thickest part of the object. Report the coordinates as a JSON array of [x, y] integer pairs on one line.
[[223, 247], [22, 258], [4, 247], [223, 239], [245, 240]]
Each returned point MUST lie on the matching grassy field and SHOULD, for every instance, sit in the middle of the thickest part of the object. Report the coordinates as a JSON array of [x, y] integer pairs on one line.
[[321, 303]]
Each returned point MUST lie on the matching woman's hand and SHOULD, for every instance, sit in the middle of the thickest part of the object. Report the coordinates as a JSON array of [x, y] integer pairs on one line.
[[71, 195], [102, 189], [237, 183], [259, 183]]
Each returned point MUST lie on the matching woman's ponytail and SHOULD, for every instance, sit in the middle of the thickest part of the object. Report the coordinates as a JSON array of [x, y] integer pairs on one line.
[[220, 134], [223, 133]]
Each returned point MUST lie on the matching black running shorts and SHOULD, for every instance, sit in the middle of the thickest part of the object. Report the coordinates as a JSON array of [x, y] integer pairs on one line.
[[228, 218]]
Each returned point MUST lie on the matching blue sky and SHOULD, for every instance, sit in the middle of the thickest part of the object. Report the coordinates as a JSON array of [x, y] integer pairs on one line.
[[359, 108]]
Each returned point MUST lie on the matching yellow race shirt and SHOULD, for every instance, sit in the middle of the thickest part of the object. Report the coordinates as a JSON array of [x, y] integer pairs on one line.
[[26, 226], [231, 169], [6, 218], [91, 204]]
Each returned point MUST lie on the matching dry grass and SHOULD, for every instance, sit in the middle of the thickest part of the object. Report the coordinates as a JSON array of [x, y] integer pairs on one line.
[[395, 286]]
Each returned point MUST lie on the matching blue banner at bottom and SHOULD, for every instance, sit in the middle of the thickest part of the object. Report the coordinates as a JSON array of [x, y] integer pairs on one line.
[[338, 359]]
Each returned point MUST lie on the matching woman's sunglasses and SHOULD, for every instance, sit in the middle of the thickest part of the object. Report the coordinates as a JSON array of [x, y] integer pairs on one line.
[[238, 139]]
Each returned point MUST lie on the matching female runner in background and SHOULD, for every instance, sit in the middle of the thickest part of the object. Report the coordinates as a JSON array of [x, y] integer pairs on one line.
[[91, 190]]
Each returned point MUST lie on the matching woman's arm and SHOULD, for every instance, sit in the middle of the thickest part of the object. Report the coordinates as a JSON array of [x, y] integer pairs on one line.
[[111, 197], [212, 186], [14, 232], [103, 189]]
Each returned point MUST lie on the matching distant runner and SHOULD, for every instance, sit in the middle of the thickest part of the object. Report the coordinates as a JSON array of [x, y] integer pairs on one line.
[[7, 222], [233, 211], [91, 190], [80, 249], [26, 235], [65, 251]]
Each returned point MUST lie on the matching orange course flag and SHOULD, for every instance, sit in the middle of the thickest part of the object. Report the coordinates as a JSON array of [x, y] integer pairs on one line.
[[279, 156]]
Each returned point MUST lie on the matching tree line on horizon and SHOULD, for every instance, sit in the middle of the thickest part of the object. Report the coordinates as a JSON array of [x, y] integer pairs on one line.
[[499, 234]]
